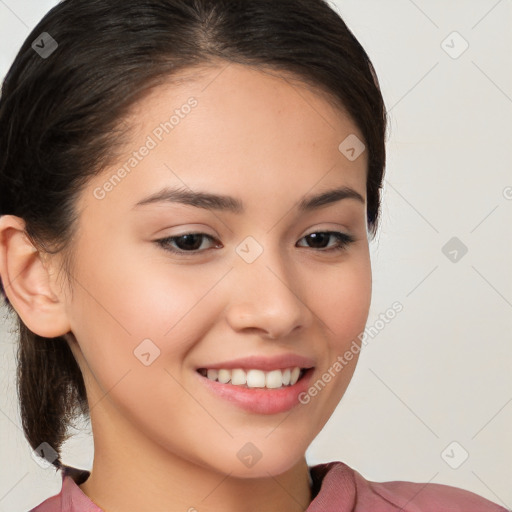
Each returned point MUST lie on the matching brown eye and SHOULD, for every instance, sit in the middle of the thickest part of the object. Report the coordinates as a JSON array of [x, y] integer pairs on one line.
[[186, 243], [319, 239]]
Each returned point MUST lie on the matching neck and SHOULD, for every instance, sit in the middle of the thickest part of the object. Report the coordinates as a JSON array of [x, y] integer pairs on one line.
[[185, 487], [131, 473]]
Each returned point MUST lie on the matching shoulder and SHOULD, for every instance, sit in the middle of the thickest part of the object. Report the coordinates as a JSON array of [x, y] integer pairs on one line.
[[336, 484], [70, 498]]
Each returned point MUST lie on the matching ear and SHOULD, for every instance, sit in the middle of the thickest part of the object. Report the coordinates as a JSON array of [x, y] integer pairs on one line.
[[28, 283]]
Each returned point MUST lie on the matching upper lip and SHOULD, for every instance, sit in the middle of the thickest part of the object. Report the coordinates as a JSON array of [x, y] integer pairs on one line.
[[264, 363]]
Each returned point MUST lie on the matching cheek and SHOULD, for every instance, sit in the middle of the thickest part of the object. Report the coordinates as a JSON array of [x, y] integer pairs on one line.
[[344, 302], [134, 335], [124, 308], [344, 306], [141, 296]]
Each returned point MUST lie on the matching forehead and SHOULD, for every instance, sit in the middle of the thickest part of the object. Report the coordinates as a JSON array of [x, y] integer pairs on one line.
[[237, 127], [247, 97]]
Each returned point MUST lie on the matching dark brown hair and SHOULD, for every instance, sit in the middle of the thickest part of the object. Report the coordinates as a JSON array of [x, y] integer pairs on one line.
[[61, 121]]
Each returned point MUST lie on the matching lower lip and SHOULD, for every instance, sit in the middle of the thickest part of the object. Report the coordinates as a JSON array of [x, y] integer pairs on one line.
[[260, 400]]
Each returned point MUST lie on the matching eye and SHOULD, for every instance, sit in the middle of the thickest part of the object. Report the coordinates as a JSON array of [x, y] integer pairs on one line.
[[193, 242], [188, 242], [318, 238]]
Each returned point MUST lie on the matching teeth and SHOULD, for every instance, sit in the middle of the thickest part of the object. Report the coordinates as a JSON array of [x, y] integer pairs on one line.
[[255, 378], [224, 376], [238, 377], [212, 374], [274, 379], [294, 377]]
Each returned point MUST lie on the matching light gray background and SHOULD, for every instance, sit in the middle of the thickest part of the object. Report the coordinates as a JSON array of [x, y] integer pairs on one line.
[[440, 371]]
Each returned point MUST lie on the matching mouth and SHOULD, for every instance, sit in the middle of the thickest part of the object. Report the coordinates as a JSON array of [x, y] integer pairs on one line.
[[257, 391], [250, 378]]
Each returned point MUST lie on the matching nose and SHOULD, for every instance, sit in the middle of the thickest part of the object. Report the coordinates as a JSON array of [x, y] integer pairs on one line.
[[268, 299]]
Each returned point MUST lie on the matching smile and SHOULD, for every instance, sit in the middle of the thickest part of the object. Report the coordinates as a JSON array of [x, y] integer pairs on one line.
[[254, 396], [254, 378]]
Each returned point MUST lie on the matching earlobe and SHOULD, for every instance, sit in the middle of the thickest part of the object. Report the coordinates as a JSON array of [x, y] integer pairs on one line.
[[27, 281]]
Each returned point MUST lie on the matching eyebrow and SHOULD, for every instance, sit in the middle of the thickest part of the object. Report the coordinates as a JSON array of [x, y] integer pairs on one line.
[[218, 202]]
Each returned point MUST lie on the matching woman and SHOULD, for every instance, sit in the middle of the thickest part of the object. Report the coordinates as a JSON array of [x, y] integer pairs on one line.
[[255, 130]]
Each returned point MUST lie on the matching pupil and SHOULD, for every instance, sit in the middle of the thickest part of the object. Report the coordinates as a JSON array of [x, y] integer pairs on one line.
[[189, 246], [318, 237]]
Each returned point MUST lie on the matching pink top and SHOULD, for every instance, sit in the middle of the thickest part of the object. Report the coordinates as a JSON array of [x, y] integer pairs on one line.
[[336, 488]]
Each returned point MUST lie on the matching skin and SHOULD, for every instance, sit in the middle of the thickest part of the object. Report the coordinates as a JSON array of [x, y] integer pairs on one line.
[[162, 440]]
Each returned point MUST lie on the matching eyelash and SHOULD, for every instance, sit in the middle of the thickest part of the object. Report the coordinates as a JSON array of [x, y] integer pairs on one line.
[[343, 241]]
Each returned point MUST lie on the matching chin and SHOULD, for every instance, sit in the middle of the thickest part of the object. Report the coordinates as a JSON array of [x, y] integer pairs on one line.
[[257, 459]]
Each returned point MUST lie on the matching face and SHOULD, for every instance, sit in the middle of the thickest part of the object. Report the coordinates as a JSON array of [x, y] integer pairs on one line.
[[268, 275]]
